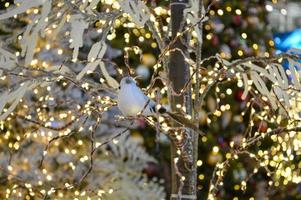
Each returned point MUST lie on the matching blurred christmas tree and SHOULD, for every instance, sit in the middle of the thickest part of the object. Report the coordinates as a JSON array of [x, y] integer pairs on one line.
[[63, 139], [238, 29]]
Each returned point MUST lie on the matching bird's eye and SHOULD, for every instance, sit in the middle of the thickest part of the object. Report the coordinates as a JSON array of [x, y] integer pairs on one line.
[[119, 87], [128, 81]]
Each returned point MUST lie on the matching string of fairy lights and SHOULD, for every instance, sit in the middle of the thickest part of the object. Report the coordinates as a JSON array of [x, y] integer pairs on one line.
[[281, 156]]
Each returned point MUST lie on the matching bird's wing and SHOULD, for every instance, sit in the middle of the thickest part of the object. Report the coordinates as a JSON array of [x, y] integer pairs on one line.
[[145, 103], [129, 101], [151, 102]]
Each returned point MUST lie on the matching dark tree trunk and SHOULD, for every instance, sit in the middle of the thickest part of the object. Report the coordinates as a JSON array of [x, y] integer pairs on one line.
[[179, 74]]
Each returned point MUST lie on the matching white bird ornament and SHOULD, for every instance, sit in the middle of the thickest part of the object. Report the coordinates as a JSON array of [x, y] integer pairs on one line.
[[132, 101]]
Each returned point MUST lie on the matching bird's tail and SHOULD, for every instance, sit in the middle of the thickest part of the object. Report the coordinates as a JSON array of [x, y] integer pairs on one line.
[[162, 110]]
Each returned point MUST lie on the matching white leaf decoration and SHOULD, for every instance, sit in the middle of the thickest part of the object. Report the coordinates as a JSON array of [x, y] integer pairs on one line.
[[14, 98], [97, 51], [60, 26], [78, 26], [24, 5], [3, 99], [137, 10], [284, 84], [294, 73], [245, 81], [30, 36], [192, 15], [92, 6], [111, 81], [90, 67], [294, 50], [246, 86], [281, 82], [261, 70], [7, 60], [283, 75], [261, 87]]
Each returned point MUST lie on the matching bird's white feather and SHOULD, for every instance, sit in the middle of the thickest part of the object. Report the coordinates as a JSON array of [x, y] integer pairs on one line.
[[131, 100]]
